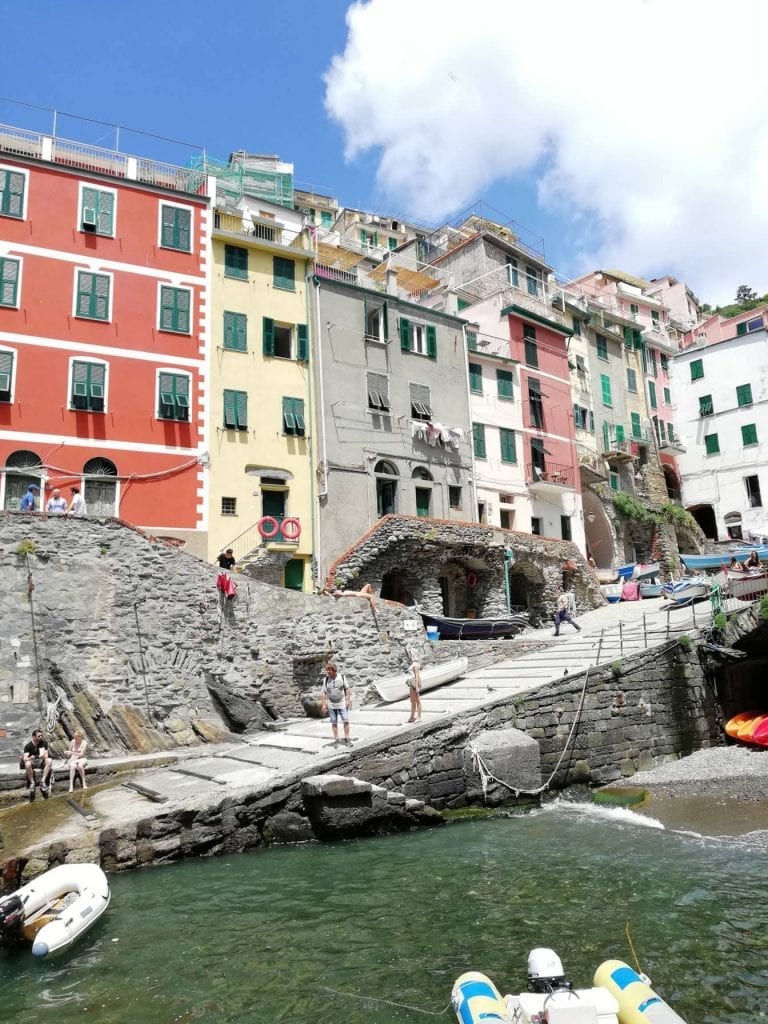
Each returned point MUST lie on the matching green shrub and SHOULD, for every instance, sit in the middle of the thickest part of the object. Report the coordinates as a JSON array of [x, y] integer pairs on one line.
[[616, 668], [27, 547], [720, 621], [684, 642], [764, 607]]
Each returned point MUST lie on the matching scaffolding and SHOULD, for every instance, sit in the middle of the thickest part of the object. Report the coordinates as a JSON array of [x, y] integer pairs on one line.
[[250, 174]]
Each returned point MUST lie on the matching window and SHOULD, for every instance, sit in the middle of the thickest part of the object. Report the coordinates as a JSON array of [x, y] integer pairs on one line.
[[581, 366], [478, 440], [293, 416], [705, 405], [581, 417], [175, 227], [421, 402], [472, 341], [229, 506], [173, 391], [376, 326], [508, 446], [744, 394], [711, 444], [670, 432], [605, 389], [10, 272], [536, 526], [529, 337], [378, 391], [565, 527], [236, 262], [667, 396], [88, 380], [505, 384], [513, 273], [476, 378], [602, 347], [752, 484], [326, 218], [576, 327], [419, 338], [697, 369], [613, 481], [637, 430], [747, 326], [631, 380], [236, 331], [235, 410], [661, 428], [538, 458], [532, 280], [13, 192], [175, 305], [391, 243], [655, 317], [423, 501], [92, 301], [652, 394], [535, 405], [664, 363], [454, 497], [284, 273], [6, 375], [277, 340], [634, 309], [749, 434], [97, 210], [651, 361]]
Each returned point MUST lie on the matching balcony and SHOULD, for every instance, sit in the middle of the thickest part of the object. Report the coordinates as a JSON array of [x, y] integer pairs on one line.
[[593, 467], [551, 477], [617, 452], [244, 225], [671, 446], [482, 344], [657, 337]]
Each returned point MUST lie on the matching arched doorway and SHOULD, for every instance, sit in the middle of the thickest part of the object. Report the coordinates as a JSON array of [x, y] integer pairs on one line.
[[100, 487], [423, 491], [386, 488], [672, 481], [22, 468], [705, 517]]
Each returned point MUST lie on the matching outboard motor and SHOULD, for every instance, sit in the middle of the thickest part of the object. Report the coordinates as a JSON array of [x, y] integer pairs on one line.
[[545, 971], [11, 921]]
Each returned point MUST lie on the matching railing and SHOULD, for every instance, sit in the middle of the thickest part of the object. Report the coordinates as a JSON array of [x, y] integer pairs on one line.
[[240, 223], [551, 473], [591, 460], [252, 538], [488, 344]]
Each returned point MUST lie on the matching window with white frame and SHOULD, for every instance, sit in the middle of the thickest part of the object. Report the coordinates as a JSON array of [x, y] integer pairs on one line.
[[173, 391], [175, 227], [10, 280], [7, 364], [13, 192], [93, 295], [97, 210], [175, 306], [88, 381]]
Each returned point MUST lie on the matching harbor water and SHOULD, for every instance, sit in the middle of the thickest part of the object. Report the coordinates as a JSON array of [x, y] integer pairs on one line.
[[376, 931]]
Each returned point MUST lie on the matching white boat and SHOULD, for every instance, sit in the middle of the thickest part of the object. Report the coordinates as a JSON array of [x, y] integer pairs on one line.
[[54, 909], [619, 995], [612, 591], [646, 571], [690, 588], [747, 586], [648, 589], [396, 687]]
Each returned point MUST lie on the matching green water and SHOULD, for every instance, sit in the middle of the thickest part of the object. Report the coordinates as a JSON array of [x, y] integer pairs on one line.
[[376, 931]]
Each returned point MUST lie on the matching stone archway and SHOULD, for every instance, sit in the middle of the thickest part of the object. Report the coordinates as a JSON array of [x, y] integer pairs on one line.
[[705, 517], [672, 480], [526, 590]]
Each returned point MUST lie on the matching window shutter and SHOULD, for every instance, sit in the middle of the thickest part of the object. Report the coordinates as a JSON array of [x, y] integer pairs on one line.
[[283, 273], [749, 434], [182, 310], [166, 309], [605, 385], [636, 430], [6, 375], [744, 394], [475, 378], [106, 212], [241, 409], [508, 446], [478, 437], [268, 336], [619, 433], [628, 337], [9, 279], [652, 394], [504, 384], [302, 343], [472, 341], [741, 328], [80, 384], [84, 289], [606, 438], [405, 335], [431, 341]]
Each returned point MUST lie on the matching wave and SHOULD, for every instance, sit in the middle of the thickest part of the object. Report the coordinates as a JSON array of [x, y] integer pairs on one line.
[[602, 812]]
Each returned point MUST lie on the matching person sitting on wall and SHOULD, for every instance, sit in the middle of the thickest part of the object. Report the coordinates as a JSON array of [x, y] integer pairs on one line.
[[366, 591], [735, 565], [753, 562], [36, 755]]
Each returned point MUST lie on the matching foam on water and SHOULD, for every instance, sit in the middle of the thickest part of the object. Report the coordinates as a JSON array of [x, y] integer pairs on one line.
[[603, 812]]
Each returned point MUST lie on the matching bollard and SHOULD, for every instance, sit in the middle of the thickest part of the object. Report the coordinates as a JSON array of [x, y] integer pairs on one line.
[[645, 632], [621, 639]]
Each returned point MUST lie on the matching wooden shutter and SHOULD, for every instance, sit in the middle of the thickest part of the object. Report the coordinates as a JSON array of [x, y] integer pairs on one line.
[[6, 375], [619, 433], [652, 394], [11, 193], [605, 385], [431, 341], [405, 335], [478, 438], [475, 378], [230, 416], [472, 341], [505, 384], [9, 280], [636, 430], [268, 334], [508, 446], [105, 213], [182, 310], [302, 343], [236, 331]]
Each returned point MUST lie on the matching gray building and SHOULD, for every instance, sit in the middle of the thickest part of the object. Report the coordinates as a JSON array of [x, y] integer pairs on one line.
[[391, 410]]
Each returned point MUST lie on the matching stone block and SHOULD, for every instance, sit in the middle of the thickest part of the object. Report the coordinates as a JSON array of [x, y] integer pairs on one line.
[[319, 786]]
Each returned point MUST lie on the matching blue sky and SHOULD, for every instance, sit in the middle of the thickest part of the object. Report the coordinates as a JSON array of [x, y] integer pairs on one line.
[[588, 123]]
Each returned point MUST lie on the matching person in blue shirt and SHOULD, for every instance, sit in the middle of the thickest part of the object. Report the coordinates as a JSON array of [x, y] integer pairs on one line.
[[29, 499]]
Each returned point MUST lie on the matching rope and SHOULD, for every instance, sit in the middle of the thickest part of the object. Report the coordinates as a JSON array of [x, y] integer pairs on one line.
[[52, 713], [632, 948], [388, 1002]]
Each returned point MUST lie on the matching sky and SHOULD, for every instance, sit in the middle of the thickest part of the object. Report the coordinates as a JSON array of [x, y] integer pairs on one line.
[[628, 134]]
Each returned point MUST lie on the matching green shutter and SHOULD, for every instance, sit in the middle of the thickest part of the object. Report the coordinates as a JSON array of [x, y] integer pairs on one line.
[[236, 262], [293, 416], [173, 396], [283, 273], [605, 386], [6, 375], [230, 416], [505, 384], [697, 369], [636, 429], [12, 184], [705, 405], [302, 343], [472, 341], [749, 434], [602, 347], [508, 445], [619, 433], [476, 378], [741, 328], [236, 331], [268, 335], [176, 228], [92, 295], [628, 337], [174, 309], [478, 439], [712, 444], [744, 394], [9, 281], [431, 341], [235, 410], [405, 334], [98, 210], [652, 394], [667, 396]]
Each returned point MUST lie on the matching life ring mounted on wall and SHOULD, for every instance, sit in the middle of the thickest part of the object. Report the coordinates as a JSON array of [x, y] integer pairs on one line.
[[290, 528], [268, 527], [471, 579]]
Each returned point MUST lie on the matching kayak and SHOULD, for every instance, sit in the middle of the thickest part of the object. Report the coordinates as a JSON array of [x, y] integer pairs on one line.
[[760, 732], [733, 725]]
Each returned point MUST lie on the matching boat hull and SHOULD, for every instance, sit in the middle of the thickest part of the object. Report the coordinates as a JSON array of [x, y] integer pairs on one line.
[[476, 629], [650, 590], [396, 687], [684, 591], [747, 586], [720, 559]]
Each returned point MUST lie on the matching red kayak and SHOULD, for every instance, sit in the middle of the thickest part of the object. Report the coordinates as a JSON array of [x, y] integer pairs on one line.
[[760, 732]]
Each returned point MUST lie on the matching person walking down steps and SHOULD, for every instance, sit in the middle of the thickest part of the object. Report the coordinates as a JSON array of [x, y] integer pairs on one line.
[[335, 700], [566, 609]]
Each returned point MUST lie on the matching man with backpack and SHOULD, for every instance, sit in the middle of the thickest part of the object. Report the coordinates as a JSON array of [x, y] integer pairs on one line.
[[336, 699]]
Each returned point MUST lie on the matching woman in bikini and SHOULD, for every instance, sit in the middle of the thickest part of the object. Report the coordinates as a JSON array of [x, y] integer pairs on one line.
[[77, 761]]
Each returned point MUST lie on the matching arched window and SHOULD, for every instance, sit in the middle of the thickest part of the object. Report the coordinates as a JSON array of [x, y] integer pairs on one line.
[[22, 468], [386, 488], [420, 473], [100, 487]]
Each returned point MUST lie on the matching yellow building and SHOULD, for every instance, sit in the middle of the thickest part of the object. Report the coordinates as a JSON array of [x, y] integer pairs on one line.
[[260, 478]]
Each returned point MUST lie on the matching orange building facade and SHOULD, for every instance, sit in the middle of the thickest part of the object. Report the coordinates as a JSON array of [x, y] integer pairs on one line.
[[104, 280]]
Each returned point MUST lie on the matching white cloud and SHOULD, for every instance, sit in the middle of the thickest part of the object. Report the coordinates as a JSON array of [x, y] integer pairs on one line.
[[649, 117]]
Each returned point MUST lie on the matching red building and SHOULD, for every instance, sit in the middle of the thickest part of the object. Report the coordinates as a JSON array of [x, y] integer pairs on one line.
[[103, 336]]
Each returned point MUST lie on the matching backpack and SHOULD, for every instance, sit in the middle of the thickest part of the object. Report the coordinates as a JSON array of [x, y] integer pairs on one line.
[[334, 688]]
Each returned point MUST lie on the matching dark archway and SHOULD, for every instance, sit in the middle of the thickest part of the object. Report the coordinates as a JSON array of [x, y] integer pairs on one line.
[[386, 488], [526, 590], [672, 480], [705, 517]]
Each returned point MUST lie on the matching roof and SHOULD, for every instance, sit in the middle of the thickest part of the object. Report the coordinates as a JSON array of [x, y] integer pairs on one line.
[[620, 275]]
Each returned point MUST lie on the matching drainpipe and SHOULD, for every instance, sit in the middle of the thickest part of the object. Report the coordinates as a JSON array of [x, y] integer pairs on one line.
[[472, 479], [310, 411], [321, 423], [509, 558]]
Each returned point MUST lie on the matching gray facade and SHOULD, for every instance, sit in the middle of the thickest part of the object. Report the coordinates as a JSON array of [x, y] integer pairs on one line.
[[391, 413]]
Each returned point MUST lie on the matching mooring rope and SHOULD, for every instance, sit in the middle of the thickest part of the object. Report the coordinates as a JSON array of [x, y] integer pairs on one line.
[[387, 1002]]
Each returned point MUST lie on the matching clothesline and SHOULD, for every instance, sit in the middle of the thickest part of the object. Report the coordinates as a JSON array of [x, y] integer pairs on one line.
[[437, 433]]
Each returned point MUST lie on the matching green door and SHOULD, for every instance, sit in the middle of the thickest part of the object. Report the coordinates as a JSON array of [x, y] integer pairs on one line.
[[423, 497], [273, 504], [294, 574]]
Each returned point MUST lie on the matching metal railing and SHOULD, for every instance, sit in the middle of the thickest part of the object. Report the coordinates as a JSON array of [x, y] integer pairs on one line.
[[240, 223], [551, 473], [252, 538]]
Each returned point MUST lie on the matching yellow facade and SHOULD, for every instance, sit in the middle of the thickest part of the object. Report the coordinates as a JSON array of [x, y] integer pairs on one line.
[[260, 454]]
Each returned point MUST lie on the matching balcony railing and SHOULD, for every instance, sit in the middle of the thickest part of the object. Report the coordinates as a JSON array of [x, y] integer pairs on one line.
[[241, 223], [488, 345], [550, 475], [593, 463], [252, 538]]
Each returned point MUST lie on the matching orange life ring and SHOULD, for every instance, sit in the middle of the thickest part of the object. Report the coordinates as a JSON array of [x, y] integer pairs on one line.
[[471, 579], [268, 527], [295, 529]]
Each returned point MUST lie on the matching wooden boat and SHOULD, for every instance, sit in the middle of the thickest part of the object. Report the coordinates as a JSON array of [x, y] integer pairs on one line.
[[626, 571], [646, 571], [691, 588], [720, 559], [55, 909], [476, 629], [396, 687], [612, 591], [648, 589]]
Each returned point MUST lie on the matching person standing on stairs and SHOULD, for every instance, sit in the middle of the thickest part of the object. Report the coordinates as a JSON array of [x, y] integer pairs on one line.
[[414, 691], [566, 609], [335, 700]]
